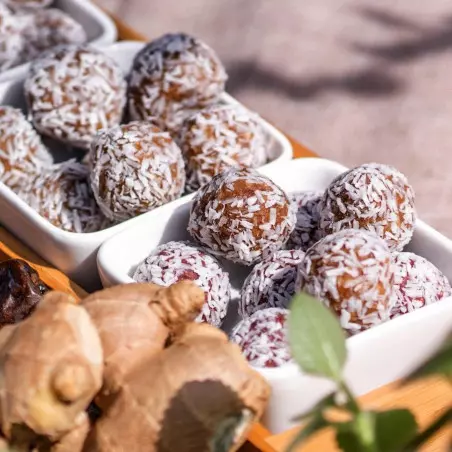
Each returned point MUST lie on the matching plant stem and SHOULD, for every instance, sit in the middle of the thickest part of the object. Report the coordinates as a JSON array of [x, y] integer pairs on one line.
[[352, 404]]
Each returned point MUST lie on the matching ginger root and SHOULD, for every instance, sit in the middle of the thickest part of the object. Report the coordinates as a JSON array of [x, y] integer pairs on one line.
[[197, 395], [50, 369], [137, 319]]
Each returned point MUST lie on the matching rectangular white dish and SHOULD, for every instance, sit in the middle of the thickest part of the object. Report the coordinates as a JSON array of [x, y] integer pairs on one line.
[[100, 29], [376, 357], [75, 254]]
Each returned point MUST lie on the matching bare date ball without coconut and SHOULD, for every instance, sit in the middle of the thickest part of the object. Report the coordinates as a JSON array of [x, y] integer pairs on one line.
[[22, 154], [217, 138], [172, 75], [241, 215], [417, 283], [374, 197], [350, 272], [11, 39], [136, 167], [74, 91], [179, 261]]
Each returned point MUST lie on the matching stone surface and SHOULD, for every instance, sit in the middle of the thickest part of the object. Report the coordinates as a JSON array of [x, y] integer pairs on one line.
[[356, 80]]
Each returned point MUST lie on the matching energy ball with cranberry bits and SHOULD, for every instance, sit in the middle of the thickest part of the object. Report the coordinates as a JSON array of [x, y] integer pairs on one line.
[[30, 5], [74, 91], [22, 154], [49, 28], [307, 230], [136, 167], [417, 283], [271, 283], [241, 215], [350, 271], [172, 74], [263, 338], [179, 261], [11, 39], [217, 138], [63, 196], [374, 197]]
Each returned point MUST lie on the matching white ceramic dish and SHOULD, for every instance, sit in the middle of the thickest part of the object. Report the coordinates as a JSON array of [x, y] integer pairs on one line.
[[100, 29], [75, 254], [376, 357]]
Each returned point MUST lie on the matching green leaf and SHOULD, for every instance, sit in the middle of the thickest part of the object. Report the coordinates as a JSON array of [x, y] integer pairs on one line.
[[328, 402], [394, 429], [317, 423], [316, 338], [347, 438], [358, 435], [439, 364]]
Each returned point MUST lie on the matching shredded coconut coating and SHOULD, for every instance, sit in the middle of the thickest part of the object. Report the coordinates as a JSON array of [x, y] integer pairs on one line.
[[271, 283], [136, 167], [417, 282], [73, 92], [30, 5], [217, 138], [50, 28], [62, 195], [241, 215], [263, 338], [22, 154], [307, 230], [374, 197], [171, 75], [350, 271], [180, 261], [11, 39]]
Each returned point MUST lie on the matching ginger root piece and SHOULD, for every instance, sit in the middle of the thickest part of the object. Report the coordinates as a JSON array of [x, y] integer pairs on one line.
[[75, 439], [197, 395], [50, 370], [133, 319]]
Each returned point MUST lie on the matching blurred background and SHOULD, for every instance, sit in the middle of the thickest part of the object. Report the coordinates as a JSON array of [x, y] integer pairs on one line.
[[355, 80]]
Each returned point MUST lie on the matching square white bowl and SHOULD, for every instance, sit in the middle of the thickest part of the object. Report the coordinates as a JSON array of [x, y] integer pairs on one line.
[[73, 253], [99, 28], [376, 357]]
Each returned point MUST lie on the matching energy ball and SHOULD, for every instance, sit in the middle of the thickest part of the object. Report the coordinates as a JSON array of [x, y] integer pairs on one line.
[[74, 91], [241, 215], [307, 230], [62, 195], [22, 154], [374, 197], [271, 283], [30, 5], [172, 74], [217, 138], [350, 272], [49, 28], [263, 338], [11, 39], [417, 282], [179, 261], [136, 167]]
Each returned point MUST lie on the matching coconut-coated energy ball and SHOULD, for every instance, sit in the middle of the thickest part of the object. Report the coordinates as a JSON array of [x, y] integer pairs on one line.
[[217, 138], [74, 91], [136, 167], [22, 153], [63, 196], [307, 230], [171, 74], [30, 5], [417, 283], [350, 272], [180, 261], [48, 28], [241, 215], [374, 197], [11, 39], [271, 283], [262, 338]]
